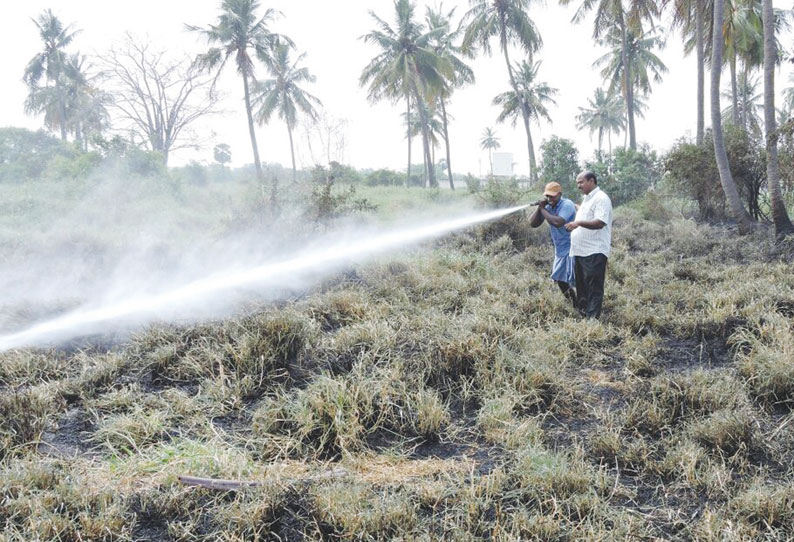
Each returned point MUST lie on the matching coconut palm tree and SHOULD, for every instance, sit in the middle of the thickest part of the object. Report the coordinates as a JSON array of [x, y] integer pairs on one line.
[[622, 17], [743, 219], [749, 102], [405, 67], [77, 105], [240, 33], [435, 130], [489, 142], [530, 100], [743, 37], [283, 95], [644, 65], [443, 42], [605, 114], [50, 64], [742, 32], [780, 217], [86, 102], [507, 20]]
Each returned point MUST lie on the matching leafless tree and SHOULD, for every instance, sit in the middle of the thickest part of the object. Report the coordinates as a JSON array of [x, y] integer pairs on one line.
[[157, 97], [325, 139]]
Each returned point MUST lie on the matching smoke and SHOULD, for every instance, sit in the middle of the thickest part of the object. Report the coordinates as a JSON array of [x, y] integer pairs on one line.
[[112, 267]]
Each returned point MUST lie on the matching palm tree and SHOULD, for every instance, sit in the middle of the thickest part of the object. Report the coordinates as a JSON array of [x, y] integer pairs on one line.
[[87, 104], [605, 114], [283, 95], [742, 32], [490, 142], [622, 17], [406, 67], [508, 20], [529, 100], [50, 63], [435, 129], [749, 102], [780, 217], [238, 33], [76, 106], [439, 24], [644, 65], [728, 186]]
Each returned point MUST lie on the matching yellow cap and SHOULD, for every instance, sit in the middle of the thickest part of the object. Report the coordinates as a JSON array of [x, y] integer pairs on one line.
[[552, 189]]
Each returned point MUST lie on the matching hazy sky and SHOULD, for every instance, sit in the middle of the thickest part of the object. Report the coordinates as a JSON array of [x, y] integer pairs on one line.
[[329, 31]]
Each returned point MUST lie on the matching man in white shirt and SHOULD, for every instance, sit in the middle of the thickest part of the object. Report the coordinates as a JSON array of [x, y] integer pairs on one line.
[[591, 239]]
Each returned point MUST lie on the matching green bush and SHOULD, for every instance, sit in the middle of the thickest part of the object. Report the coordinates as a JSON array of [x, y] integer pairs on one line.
[[144, 163], [384, 177], [628, 174], [327, 204], [473, 184], [25, 154], [194, 173], [342, 173], [692, 170], [559, 162], [72, 167], [498, 193], [748, 167]]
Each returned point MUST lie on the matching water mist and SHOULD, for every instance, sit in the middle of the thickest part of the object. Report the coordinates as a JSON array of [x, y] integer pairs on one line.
[[139, 309]]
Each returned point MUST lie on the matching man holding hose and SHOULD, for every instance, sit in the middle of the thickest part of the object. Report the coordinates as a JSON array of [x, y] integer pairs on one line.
[[557, 211]]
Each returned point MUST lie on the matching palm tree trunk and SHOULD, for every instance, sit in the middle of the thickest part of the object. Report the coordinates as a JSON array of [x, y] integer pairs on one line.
[[728, 186], [431, 174], [533, 176], [734, 91], [609, 138], [408, 120], [628, 83], [780, 217], [745, 97], [490, 159], [626, 132], [701, 70], [251, 131], [446, 142], [292, 153], [600, 139], [61, 109], [425, 181]]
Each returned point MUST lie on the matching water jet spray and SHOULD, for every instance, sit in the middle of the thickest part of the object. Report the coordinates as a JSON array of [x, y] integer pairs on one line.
[[93, 319]]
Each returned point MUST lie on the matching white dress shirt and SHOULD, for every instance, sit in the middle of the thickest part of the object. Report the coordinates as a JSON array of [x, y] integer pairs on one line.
[[595, 206]]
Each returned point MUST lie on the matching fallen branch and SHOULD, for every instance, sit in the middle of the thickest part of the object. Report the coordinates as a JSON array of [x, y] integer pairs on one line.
[[215, 483], [233, 485]]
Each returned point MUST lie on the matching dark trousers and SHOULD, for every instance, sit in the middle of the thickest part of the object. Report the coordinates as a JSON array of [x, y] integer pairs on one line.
[[590, 272], [568, 291]]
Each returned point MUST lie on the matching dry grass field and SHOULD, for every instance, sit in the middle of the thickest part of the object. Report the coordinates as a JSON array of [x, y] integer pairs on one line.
[[444, 393]]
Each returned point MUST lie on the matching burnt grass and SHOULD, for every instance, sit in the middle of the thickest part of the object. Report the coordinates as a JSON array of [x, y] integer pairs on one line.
[[212, 391]]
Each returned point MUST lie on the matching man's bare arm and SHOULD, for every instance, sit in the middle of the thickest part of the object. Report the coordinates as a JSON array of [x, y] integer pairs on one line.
[[554, 220], [537, 217], [594, 224]]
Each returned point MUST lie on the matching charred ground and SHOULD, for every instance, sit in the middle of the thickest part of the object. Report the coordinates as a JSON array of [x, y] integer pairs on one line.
[[446, 393]]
